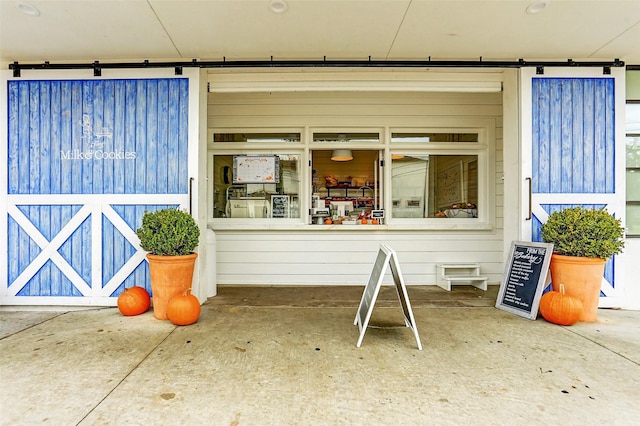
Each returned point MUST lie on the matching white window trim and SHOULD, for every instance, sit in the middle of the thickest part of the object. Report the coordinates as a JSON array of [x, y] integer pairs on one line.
[[484, 148]]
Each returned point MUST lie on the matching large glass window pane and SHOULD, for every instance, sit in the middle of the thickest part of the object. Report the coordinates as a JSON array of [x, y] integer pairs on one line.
[[343, 191], [277, 200], [633, 184], [256, 137], [426, 185], [633, 220]]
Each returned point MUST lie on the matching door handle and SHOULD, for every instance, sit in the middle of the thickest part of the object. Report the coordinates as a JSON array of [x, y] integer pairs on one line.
[[530, 199], [191, 195]]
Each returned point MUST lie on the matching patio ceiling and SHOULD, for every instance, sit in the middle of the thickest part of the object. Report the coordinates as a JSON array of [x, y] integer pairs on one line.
[[129, 30]]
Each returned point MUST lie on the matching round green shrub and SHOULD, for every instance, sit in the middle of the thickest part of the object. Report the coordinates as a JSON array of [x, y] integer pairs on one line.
[[168, 232], [583, 232]]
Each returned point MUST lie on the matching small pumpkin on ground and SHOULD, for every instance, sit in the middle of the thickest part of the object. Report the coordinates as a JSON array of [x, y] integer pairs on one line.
[[560, 308], [134, 301], [183, 309]]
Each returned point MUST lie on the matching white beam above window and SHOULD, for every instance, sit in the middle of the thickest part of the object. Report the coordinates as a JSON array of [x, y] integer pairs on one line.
[[360, 81]]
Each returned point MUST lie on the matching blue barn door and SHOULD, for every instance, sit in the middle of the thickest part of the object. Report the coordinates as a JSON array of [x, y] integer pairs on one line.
[[573, 150], [85, 159]]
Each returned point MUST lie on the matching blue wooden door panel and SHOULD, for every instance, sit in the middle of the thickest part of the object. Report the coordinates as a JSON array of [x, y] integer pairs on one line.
[[49, 281], [573, 145], [132, 133], [573, 135], [75, 140]]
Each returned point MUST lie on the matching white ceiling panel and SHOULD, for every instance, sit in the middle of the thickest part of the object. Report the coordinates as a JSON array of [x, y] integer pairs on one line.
[[309, 29], [133, 30], [503, 30], [82, 30]]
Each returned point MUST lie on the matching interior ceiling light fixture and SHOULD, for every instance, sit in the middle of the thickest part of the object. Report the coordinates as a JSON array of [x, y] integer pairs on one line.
[[278, 6], [537, 7], [27, 8], [341, 155]]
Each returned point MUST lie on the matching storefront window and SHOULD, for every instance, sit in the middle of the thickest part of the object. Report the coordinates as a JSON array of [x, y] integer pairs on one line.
[[256, 186], [428, 185], [433, 175]]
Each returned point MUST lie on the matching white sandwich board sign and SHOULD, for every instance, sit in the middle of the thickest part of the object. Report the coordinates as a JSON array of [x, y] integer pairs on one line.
[[387, 257]]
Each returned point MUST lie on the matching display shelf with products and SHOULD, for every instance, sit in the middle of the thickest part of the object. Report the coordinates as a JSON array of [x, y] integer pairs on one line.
[[361, 197]]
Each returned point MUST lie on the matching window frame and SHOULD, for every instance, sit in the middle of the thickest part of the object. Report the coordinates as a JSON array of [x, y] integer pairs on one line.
[[484, 149], [635, 201], [253, 148]]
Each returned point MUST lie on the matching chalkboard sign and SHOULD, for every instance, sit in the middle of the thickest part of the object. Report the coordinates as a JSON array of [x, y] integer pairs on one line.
[[377, 214], [524, 278], [279, 206], [386, 257]]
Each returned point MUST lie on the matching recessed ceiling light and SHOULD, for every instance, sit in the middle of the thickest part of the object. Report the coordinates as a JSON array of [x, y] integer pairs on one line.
[[278, 6], [537, 7], [27, 8]]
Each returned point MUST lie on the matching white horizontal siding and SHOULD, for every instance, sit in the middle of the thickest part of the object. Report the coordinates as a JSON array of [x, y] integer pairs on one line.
[[335, 257]]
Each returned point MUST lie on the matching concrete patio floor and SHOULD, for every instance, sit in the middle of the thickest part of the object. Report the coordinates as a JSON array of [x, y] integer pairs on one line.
[[288, 356]]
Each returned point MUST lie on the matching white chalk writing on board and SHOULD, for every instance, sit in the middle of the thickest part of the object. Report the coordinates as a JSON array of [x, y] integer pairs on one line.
[[279, 206], [525, 277]]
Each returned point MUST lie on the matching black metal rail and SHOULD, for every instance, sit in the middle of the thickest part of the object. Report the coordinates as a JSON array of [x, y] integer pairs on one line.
[[98, 66]]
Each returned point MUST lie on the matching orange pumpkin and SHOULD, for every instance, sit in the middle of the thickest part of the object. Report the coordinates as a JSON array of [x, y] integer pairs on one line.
[[134, 301], [560, 308], [183, 309]]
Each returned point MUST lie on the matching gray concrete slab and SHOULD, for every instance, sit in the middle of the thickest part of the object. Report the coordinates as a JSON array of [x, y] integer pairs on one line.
[[296, 362]]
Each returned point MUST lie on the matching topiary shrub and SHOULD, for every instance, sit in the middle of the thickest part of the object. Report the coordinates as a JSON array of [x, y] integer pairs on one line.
[[168, 232], [583, 232]]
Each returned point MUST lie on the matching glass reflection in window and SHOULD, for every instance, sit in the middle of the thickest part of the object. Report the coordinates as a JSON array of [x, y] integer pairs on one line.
[[427, 185], [256, 200]]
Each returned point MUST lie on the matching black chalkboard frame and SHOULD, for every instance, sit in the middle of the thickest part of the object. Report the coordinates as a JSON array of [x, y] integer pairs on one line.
[[280, 206], [533, 286]]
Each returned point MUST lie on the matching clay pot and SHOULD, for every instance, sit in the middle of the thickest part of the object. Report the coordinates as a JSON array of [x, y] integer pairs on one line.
[[582, 278], [170, 276]]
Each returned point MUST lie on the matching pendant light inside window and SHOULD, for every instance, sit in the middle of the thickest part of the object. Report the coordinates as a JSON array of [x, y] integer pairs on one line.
[[341, 155]]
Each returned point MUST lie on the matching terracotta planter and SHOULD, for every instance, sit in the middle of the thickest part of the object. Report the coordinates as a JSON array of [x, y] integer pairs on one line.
[[170, 275], [582, 278]]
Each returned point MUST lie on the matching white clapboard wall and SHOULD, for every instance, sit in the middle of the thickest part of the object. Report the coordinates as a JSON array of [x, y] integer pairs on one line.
[[312, 257]]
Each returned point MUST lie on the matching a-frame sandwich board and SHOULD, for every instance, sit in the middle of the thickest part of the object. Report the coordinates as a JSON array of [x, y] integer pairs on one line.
[[387, 257]]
